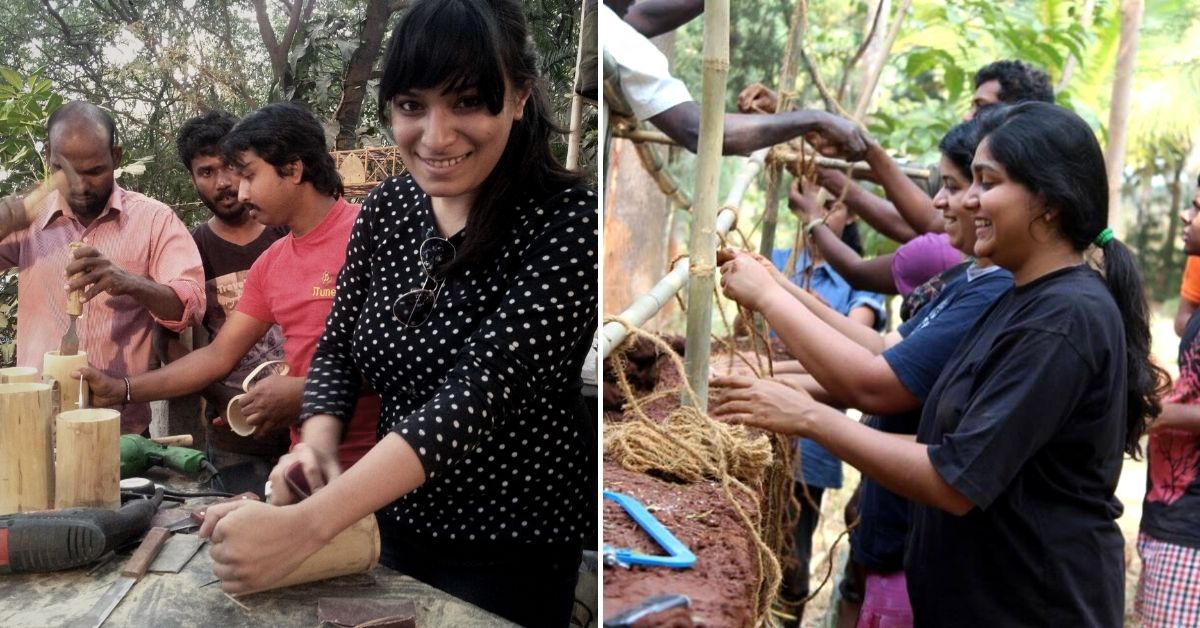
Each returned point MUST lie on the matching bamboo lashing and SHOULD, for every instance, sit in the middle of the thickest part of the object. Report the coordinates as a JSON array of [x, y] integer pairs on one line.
[[647, 305]]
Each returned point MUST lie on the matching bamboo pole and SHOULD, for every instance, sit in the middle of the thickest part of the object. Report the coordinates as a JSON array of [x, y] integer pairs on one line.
[[576, 132], [26, 459], [703, 244], [784, 154], [60, 367], [647, 305], [19, 374], [88, 466]]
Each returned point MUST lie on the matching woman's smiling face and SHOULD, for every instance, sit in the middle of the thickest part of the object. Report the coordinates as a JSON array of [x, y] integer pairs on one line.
[[960, 226], [449, 140], [1003, 209]]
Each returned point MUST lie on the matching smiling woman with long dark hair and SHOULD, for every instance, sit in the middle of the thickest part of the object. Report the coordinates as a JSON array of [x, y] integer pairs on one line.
[[1021, 440], [468, 300]]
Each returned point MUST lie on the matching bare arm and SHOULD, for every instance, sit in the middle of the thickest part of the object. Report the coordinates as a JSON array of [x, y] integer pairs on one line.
[[655, 17], [190, 373], [1183, 314], [873, 274], [745, 133], [878, 212], [1177, 416], [909, 199], [899, 465], [852, 373]]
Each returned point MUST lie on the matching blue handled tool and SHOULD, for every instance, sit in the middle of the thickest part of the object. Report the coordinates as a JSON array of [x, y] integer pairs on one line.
[[678, 555]]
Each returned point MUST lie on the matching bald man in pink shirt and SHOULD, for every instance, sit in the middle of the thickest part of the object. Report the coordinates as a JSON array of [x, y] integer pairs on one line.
[[139, 266]]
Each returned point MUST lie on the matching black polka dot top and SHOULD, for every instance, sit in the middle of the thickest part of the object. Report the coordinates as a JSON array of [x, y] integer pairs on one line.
[[486, 390]]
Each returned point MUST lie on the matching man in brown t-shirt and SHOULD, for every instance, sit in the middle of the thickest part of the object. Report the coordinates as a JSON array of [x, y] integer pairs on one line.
[[229, 242]]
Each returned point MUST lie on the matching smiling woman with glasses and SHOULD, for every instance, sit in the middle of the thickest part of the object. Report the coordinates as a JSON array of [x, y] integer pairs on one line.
[[468, 301]]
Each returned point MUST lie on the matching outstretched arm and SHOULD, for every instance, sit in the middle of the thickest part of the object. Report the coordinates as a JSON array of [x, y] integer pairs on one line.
[[745, 133], [873, 274], [899, 465], [655, 17], [910, 200], [880, 213]]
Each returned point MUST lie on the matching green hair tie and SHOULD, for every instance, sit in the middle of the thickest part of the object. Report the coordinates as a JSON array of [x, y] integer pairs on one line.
[[1105, 237]]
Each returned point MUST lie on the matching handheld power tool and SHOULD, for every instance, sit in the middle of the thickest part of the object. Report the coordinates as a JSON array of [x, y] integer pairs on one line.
[[63, 539], [139, 453]]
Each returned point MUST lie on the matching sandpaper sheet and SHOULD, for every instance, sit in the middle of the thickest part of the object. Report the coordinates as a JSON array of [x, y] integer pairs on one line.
[[364, 612]]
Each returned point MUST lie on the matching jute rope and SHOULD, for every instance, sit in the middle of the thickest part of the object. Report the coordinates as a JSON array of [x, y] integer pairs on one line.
[[691, 446]]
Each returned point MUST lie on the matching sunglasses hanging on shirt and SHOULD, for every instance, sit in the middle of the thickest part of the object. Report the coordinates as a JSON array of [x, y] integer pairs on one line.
[[414, 307]]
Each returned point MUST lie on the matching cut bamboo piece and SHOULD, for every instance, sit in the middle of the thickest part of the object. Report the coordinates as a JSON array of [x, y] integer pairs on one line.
[[19, 374], [88, 468], [26, 459], [60, 368], [354, 550]]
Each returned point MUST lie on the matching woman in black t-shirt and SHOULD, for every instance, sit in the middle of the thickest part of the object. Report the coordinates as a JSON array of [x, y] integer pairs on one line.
[[1021, 440]]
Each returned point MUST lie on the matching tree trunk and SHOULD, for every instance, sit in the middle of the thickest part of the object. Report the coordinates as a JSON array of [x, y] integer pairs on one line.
[[636, 215], [278, 47], [1118, 114], [1175, 187], [358, 72], [874, 70], [1085, 19]]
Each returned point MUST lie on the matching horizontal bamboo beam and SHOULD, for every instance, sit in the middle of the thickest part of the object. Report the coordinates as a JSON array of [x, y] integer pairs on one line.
[[647, 305]]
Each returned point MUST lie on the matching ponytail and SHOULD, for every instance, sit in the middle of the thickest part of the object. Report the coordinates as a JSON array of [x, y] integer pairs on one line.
[[1146, 381]]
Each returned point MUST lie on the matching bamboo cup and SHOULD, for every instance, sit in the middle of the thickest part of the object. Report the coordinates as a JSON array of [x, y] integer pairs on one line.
[[60, 367], [26, 459], [19, 374], [88, 468], [355, 550]]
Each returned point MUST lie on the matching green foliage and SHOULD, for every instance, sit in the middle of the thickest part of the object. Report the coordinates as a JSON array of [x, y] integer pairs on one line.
[[26, 102]]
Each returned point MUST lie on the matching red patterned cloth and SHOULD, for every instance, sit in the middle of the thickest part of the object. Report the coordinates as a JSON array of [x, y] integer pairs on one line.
[[1168, 593]]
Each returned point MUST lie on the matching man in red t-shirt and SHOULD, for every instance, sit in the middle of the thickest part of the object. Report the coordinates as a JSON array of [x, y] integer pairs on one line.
[[288, 179]]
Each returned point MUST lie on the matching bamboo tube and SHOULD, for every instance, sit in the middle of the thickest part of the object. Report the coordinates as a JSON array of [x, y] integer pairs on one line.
[[650, 303], [354, 550], [26, 459], [88, 467], [18, 374], [703, 244], [60, 367]]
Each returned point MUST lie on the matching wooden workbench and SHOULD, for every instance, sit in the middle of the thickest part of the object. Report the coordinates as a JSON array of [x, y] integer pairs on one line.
[[188, 599]]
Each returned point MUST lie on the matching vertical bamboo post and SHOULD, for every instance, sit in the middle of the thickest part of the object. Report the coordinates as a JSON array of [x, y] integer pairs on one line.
[[26, 459], [575, 132], [88, 467], [19, 374], [60, 368], [703, 245]]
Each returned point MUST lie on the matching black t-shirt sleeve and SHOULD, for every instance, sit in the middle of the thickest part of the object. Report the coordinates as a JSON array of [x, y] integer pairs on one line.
[[1012, 402]]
